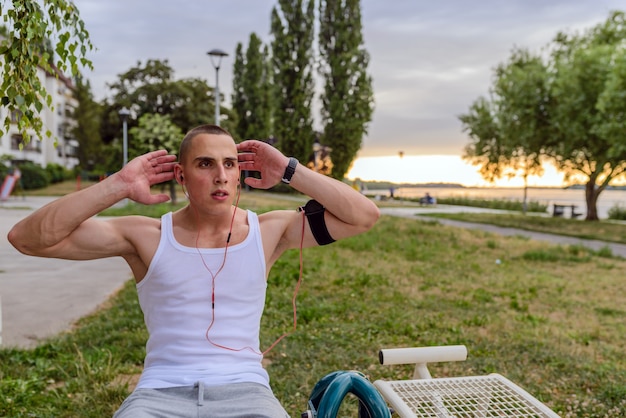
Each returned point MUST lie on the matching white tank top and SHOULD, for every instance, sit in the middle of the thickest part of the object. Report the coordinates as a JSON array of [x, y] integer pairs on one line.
[[175, 297]]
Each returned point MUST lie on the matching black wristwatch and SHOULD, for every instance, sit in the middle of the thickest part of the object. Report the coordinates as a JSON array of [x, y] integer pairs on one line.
[[291, 168]]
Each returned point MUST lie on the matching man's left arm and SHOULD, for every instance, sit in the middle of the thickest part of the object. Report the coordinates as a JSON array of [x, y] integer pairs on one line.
[[347, 212]]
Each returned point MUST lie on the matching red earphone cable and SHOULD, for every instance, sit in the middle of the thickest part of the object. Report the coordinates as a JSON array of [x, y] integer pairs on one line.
[[214, 276], [295, 295]]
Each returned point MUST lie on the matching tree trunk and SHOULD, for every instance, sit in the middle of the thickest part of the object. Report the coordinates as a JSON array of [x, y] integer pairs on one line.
[[591, 197], [525, 204]]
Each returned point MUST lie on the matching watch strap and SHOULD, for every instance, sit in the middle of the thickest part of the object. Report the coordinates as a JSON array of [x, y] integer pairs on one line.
[[290, 170]]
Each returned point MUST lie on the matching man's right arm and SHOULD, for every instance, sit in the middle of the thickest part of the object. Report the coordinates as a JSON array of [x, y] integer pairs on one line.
[[66, 229]]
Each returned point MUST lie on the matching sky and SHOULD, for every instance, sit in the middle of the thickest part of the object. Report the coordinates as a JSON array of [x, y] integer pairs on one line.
[[429, 61]]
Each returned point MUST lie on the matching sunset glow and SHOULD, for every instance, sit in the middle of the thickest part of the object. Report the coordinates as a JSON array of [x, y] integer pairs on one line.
[[438, 169]]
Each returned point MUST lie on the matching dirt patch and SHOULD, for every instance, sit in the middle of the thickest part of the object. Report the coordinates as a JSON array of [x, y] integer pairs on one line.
[[129, 380]]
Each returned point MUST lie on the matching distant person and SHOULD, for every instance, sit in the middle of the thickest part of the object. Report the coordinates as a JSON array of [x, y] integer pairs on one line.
[[201, 271], [428, 199], [391, 192]]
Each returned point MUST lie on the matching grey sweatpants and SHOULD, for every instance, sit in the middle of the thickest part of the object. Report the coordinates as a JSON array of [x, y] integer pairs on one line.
[[225, 401]]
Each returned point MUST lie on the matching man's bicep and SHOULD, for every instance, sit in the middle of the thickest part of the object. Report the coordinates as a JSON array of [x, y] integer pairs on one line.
[[93, 239]]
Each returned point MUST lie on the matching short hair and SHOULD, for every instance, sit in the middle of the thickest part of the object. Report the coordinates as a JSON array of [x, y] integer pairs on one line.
[[202, 129]]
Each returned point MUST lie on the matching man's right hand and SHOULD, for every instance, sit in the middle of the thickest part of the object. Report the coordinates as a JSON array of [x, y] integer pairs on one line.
[[145, 171], [65, 228]]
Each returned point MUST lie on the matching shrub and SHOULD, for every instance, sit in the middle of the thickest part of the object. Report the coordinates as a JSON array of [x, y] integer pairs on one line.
[[503, 204], [34, 176], [617, 212], [57, 173]]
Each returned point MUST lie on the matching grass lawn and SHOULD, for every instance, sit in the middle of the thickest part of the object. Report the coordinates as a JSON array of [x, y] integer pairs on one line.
[[604, 230], [59, 189], [550, 318]]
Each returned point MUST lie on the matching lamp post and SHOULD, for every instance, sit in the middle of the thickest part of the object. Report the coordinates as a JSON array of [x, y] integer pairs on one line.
[[124, 114], [216, 59]]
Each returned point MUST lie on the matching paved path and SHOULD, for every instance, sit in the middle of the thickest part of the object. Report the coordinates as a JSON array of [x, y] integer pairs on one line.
[[41, 297], [417, 213]]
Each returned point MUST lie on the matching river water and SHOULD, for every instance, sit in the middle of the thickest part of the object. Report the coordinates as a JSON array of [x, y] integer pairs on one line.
[[546, 196]]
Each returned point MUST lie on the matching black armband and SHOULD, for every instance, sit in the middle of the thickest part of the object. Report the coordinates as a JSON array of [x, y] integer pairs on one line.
[[314, 212]]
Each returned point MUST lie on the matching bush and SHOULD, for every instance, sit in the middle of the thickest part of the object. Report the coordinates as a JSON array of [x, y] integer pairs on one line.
[[34, 176], [617, 212], [57, 173], [5, 162], [502, 204]]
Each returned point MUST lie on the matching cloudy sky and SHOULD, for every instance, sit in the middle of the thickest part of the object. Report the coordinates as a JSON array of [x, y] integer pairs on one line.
[[429, 59]]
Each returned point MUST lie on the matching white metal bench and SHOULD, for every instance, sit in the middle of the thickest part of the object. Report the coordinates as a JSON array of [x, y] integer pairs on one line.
[[492, 395]]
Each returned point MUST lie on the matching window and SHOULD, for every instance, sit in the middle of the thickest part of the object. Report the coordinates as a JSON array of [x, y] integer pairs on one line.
[[15, 116], [16, 140]]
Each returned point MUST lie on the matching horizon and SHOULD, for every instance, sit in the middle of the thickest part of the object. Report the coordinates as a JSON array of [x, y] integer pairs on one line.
[[443, 169]]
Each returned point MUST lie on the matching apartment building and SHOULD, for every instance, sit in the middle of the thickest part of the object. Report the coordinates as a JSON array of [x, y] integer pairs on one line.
[[60, 148]]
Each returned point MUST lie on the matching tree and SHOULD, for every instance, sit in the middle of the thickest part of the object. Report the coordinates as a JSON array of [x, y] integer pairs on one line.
[[569, 110], [87, 127], [46, 34], [252, 91], [154, 132], [152, 89], [348, 98], [239, 97], [292, 45], [509, 131], [586, 67]]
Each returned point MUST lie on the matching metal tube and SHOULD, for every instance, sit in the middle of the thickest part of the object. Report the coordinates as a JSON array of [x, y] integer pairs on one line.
[[217, 96], [125, 143]]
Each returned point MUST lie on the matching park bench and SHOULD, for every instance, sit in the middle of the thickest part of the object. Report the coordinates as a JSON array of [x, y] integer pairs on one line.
[[559, 211]]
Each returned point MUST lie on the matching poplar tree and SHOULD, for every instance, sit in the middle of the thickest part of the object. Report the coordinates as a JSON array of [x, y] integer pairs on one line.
[[239, 98], [292, 56], [348, 97], [87, 115], [251, 86]]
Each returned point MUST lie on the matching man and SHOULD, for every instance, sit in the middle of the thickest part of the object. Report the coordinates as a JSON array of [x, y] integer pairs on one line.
[[201, 271]]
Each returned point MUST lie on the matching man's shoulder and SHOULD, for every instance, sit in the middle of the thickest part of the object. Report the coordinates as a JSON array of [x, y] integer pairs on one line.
[[136, 222], [276, 222], [277, 215]]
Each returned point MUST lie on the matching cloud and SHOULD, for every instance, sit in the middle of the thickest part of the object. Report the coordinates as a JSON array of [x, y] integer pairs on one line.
[[429, 60]]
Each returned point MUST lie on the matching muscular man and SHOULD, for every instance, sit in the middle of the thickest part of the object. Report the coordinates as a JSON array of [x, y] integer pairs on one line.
[[201, 271]]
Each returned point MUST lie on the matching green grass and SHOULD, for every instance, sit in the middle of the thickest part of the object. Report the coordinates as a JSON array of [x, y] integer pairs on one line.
[[59, 189], [603, 230], [550, 318]]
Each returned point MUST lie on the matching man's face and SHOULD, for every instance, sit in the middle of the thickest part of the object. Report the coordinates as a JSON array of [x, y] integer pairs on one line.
[[210, 169]]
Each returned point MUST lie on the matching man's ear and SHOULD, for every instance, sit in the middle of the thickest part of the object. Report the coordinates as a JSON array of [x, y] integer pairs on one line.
[[178, 174]]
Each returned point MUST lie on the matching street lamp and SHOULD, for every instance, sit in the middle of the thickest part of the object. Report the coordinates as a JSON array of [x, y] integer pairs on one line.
[[124, 114], [216, 58]]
